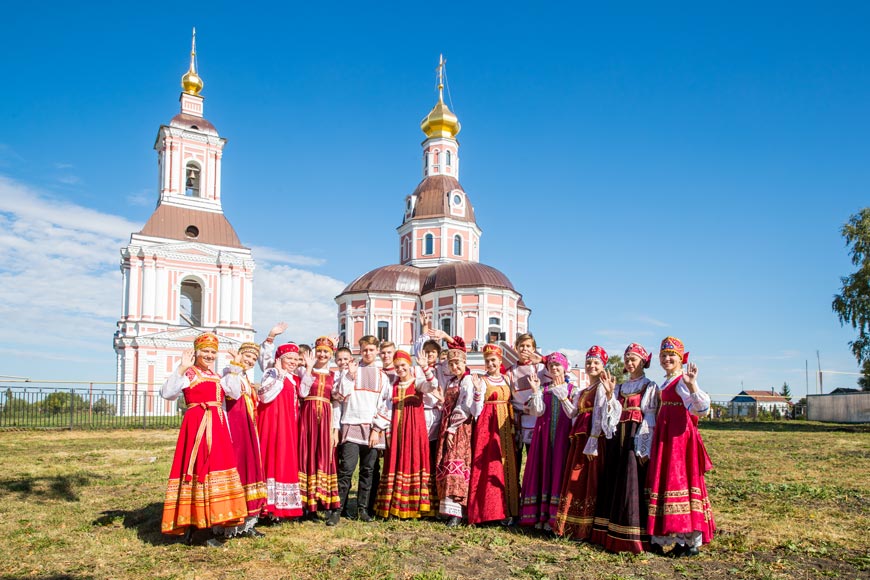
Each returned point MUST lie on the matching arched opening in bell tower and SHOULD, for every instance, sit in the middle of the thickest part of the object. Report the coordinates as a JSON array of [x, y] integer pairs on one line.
[[190, 302], [191, 179]]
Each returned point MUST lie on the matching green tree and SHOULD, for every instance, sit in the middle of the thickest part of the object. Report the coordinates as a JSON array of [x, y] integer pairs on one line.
[[785, 392], [616, 366], [852, 304], [59, 402]]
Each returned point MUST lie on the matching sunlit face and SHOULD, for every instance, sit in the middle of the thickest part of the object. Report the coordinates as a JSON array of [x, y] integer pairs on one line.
[[594, 367], [322, 356], [342, 360], [387, 353], [443, 356], [526, 349], [249, 358], [290, 361], [369, 353], [492, 364], [403, 369], [671, 362], [456, 367], [431, 355], [633, 364], [557, 372], [205, 357]]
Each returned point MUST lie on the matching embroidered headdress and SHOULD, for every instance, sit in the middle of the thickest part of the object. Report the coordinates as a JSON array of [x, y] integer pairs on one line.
[[674, 345], [324, 342], [250, 347], [285, 349], [639, 350], [558, 357], [402, 355], [597, 352], [492, 349], [457, 349], [206, 340]]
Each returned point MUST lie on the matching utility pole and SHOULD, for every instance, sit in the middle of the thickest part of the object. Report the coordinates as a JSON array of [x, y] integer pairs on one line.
[[821, 379]]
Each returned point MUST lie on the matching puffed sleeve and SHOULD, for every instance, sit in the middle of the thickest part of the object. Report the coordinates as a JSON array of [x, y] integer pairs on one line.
[[306, 381], [425, 381], [477, 402], [384, 415], [231, 382], [603, 421], [571, 401], [462, 410], [535, 405], [648, 407], [175, 383], [697, 403], [271, 385], [267, 355]]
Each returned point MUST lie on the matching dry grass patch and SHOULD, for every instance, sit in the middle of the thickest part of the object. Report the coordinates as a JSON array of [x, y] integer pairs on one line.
[[88, 505]]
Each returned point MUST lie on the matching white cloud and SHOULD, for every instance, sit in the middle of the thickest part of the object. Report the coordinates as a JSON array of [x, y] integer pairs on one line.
[[60, 286], [141, 198], [265, 254]]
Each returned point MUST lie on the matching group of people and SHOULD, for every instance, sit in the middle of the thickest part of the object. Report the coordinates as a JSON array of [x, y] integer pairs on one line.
[[616, 463]]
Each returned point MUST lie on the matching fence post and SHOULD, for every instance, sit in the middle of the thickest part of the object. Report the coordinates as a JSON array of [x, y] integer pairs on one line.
[[71, 408], [144, 394]]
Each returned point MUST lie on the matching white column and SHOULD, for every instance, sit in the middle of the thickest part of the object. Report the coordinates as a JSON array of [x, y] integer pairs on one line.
[[217, 175], [224, 294], [148, 287], [163, 293], [236, 296], [249, 299]]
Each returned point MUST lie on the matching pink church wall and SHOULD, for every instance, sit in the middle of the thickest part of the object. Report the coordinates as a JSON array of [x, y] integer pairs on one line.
[[445, 301], [470, 299], [381, 303], [470, 330]]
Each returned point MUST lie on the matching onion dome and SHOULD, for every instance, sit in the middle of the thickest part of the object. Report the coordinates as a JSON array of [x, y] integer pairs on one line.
[[392, 279], [464, 275], [441, 122], [436, 195], [191, 82]]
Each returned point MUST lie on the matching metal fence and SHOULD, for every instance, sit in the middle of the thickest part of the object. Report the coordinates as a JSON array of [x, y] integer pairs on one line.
[[64, 405]]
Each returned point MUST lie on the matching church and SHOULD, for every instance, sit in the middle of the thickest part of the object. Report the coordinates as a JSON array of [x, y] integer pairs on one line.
[[439, 270]]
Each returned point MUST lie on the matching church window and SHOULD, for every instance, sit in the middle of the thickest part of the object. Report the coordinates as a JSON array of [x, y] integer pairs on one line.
[[437, 157], [428, 245], [457, 245], [447, 158], [190, 303], [191, 232], [191, 179], [342, 334], [383, 330], [445, 325], [493, 321]]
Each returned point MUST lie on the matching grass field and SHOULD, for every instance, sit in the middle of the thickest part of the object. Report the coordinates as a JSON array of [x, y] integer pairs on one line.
[[790, 500]]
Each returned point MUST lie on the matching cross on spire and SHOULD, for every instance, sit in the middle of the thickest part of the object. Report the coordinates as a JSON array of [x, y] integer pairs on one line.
[[440, 68]]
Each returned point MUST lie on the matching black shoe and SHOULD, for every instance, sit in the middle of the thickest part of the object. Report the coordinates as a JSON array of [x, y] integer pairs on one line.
[[454, 521], [333, 518], [683, 551], [656, 549], [693, 551], [188, 535], [255, 533], [363, 515], [346, 514]]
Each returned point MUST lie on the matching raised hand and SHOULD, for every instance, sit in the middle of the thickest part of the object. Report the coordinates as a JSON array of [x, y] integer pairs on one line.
[[334, 339], [690, 377], [235, 356], [352, 366], [187, 359], [309, 359], [278, 329], [425, 320], [535, 382], [422, 360], [608, 382], [477, 382]]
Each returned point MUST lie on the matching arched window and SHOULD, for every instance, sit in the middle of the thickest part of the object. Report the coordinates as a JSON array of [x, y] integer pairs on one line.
[[445, 325], [437, 157], [428, 245], [190, 303], [457, 245], [191, 179], [447, 158], [342, 334]]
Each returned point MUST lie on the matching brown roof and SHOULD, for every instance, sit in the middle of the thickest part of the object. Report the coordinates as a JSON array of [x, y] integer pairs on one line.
[[433, 198], [180, 223], [464, 275], [186, 121], [765, 396], [393, 278]]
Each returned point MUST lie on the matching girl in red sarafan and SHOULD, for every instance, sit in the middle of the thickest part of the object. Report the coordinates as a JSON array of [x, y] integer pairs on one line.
[[279, 433], [597, 412], [204, 488], [679, 508], [493, 490], [403, 490], [318, 433]]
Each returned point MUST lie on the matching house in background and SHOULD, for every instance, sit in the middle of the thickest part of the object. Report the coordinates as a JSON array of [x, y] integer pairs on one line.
[[751, 403]]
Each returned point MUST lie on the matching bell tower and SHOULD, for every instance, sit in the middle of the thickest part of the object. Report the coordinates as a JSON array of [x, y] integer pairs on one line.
[[186, 271]]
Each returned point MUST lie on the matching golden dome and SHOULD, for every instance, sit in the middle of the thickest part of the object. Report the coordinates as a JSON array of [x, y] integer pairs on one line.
[[441, 122], [191, 82]]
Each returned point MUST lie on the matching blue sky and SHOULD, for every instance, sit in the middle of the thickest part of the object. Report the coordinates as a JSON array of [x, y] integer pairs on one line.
[[638, 170]]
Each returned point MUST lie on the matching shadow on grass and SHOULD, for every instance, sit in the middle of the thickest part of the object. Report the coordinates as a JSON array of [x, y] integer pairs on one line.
[[62, 487], [146, 522], [49, 577], [784, 426]]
